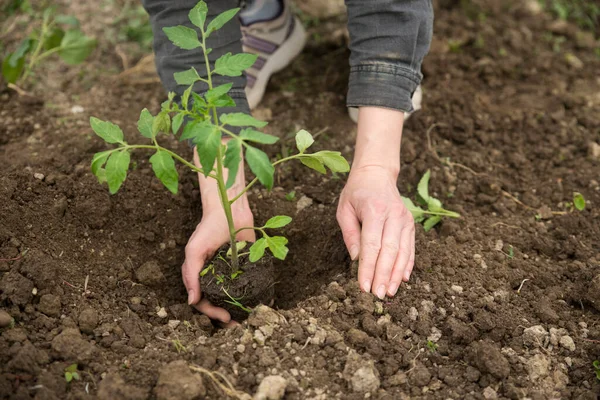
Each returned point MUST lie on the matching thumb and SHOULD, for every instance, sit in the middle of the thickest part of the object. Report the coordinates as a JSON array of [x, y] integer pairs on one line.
[[350, 226], [190, 271]]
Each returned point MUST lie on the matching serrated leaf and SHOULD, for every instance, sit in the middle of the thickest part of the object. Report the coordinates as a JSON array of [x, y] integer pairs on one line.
[[215, 93], [187, 77], [423, 187], [431, 222], [75, 47], [277, 245], [303, 140], [241, 119], [99, 160], [163, 166], [416, 211], [185, 97], [333, 160], [108, 131], [116, 170], [260, 165], [220, 20], [197, 15], [278, 221], [313, 163], [176, 123], [578, 201], [224, 101], [233, 158], [182, 37], [193, 129], [207, 140], [234, 65], [257, 250], [145, 123], [199, 102], [252, 135], [434, 205], [161, 123]]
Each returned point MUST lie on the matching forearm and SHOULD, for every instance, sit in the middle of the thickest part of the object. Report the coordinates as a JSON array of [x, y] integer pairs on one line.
[[378, 139], [388, 41]]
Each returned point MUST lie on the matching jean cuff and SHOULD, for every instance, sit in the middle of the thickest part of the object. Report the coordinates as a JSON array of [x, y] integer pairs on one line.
[[382, 85]]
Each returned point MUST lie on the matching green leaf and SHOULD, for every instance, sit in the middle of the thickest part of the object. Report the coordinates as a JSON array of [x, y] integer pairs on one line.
[[313, 163], [75, 47], [75, 375], [186, 77], [182, 37], [333, 160], [108, 131], [255, 136], [54, 39], [233, 157], [260, 165], [241, 245], [257, 250], [207, 140], [224, 101], [277, 245], [579, 201], [241, 119], [423, 187], [185, 97], [161, 123], [99, 160], [71, 368], [116, 170], [24, 47], [434, 205], [220, 20], [67, 20], [163, 166], [10, 72], [303, 140], [431, 222], [278, 221], [416, 211], [101, 175], [176, 123], [197, 15], [68, 377], [234, 65], [215, 93], [199, 102], [145, 123]]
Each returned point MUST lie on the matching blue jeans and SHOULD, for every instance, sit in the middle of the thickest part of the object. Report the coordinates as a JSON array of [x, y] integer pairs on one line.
[[388, 41]]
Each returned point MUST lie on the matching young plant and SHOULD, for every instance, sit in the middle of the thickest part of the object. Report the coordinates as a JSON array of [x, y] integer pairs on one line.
[[196, 118], [58, 34], [435, 210], [71, 373], [596, 365]]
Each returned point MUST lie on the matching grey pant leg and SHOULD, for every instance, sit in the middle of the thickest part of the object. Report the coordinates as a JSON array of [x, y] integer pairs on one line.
[[171, 59], [388, 41]]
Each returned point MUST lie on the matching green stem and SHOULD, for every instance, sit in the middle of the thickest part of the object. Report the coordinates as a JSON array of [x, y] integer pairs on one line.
[[174, 155], [36, 52], [220, 180], [256, 228], [444, 213]]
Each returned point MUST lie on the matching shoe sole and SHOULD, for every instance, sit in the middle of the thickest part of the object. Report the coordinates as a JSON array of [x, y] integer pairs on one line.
[[280, 59]]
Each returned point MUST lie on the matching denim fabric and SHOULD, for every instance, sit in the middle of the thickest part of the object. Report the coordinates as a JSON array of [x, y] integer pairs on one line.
[[388, 41]]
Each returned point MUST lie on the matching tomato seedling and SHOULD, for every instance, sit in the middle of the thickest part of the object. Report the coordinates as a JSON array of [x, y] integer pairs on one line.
[[71, 373], [196, 118], [58, 34], [435, 210]]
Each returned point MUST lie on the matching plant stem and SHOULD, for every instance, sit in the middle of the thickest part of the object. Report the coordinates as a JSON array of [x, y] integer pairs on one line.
[[444, 213], [219, 177], [174, 155], [36, 52]]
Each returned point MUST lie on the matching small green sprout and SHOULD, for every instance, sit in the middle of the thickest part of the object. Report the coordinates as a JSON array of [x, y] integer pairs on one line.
[[236, 302], [578, 201], [71, 373], [596, 365], [511, 252], [291, 196], [435, 210], [58, 34], [432, 346], [179, 347]]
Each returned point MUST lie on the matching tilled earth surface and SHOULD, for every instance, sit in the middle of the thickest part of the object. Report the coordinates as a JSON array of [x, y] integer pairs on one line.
[[502, 304]]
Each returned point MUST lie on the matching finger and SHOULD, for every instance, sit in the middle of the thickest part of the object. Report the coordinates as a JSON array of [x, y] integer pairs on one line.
[[370, 240], [410, 264], [406, 248], [212, 312], [390, 245], [190, 272], [230, 324], [350, 227]]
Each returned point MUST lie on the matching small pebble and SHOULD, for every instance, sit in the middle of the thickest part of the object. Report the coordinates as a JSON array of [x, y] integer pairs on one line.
[[38, 176], [5, 319]]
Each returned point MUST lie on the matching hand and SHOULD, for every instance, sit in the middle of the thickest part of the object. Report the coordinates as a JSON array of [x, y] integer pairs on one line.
[[211, 233], [377, 227]]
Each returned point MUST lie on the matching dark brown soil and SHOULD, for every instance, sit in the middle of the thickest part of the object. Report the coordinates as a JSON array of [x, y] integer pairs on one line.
[[501, 304], [254, 286]]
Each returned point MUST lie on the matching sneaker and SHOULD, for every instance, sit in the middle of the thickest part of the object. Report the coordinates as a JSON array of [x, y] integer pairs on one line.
[[416, 102], [277, 42]]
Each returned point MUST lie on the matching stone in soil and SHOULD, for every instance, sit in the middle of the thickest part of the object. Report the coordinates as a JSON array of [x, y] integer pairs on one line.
[[150, 274], [50, 305], [271, 388], [177, 382], [360, 373], [88, 320], [5, 319]]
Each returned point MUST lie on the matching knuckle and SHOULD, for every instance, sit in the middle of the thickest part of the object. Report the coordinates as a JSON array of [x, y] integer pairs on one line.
[[373, 244], [391, 246]]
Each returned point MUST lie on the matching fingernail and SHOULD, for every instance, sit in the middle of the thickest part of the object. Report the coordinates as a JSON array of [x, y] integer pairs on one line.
[[366, 286], [190, 297], [393, 289], [407, 275], [354, 252], [381, 292]]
